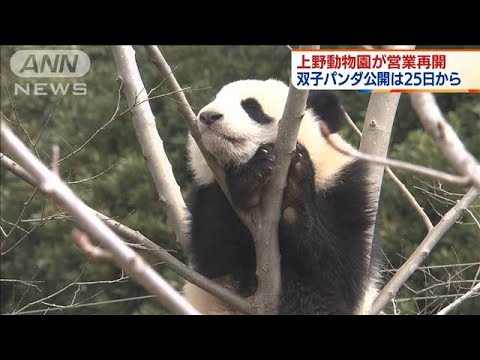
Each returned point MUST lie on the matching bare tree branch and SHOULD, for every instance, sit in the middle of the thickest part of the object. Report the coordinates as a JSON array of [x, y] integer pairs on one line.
[[124, 257], [17, 170], [397, 182], [447, 140], [426, 220], [187, 113], [376, 132], [151, 143], [266, 238], [422, 251], [440, 175], [461, 299], [138, 238], [375, 141]]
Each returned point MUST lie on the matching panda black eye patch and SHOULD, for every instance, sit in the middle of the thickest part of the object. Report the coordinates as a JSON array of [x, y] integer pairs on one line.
[[255, 111]]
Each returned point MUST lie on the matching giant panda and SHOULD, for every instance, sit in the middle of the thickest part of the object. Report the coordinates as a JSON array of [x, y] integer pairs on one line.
[[326, 207]]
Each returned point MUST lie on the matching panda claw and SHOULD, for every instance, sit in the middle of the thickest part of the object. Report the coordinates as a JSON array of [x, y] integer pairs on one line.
[[298, 167], [299, 184], [289, 215]]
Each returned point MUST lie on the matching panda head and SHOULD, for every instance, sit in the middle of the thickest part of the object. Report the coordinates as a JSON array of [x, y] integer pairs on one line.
[[245, 115]]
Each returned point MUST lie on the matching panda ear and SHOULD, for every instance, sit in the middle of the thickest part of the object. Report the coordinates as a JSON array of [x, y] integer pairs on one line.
[[327, 106]]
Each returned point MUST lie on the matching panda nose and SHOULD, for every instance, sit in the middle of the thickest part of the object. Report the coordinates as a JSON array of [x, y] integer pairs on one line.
[[209, 117]]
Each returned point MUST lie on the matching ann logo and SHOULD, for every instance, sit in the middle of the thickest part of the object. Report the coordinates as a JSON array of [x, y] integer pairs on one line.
[[60, 63], [50, 63]]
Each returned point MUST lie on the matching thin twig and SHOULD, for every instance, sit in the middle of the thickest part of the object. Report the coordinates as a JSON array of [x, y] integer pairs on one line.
[[24, 282], [77, 306], [22, 212], [112, 118], [351, 123], [28, 233], [13, 224], [410, 198], [97, 175], [44, 127], [431, 297], [467, 265], [12, 102]]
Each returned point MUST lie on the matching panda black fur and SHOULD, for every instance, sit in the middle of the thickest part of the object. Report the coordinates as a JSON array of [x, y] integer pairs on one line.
[[326, 208]]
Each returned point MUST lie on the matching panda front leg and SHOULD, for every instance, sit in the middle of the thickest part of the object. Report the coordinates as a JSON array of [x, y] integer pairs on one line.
[[246, 182], [307, 286], [298, 207]]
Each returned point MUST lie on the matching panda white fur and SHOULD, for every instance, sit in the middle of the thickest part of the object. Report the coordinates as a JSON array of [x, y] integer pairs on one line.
[[326, 208]]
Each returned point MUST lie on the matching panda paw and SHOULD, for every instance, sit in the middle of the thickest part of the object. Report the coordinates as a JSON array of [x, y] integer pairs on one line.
[[301, 168], [246, 181], [262, 163], [300, 190]]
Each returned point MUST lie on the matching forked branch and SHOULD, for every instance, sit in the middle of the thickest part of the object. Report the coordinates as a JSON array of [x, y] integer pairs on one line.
[[150, 141]]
